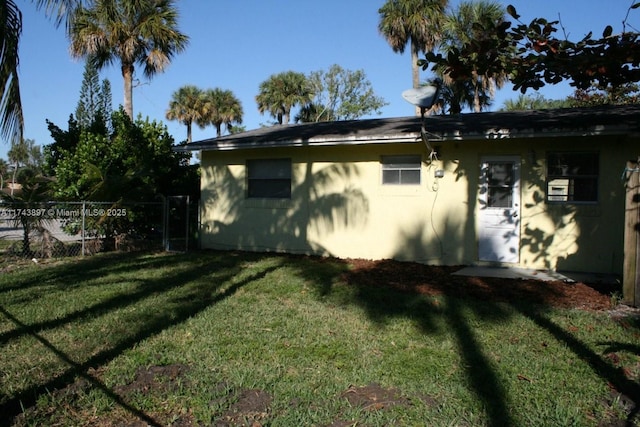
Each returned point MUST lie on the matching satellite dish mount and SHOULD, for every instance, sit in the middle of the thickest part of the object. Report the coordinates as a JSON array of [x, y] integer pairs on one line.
[[424, 98]]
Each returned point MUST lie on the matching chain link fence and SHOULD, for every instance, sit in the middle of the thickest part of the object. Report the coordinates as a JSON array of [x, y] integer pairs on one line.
[[63, 229]]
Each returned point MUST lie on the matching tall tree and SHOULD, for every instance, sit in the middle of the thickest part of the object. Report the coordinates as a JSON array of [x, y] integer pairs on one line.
[[340, 94], [222, 107], [414, 22], [11, 117], [19, 155], [4, 170], [281, 92], [187, 106], [95, 98], [105, 101], [131, 32], [463, 26]]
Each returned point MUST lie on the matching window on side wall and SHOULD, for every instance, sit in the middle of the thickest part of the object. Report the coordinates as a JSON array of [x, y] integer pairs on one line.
[[269, 178], [401, 170], [572, 177]]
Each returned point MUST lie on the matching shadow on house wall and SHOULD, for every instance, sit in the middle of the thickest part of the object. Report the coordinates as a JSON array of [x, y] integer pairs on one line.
[[328, 199], [322, 202]]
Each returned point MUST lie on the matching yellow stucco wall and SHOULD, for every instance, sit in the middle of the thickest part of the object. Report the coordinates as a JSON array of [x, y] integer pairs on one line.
[[339, 207]]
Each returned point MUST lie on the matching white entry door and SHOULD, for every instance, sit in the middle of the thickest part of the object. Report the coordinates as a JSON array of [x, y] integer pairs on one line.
[[499, 209]]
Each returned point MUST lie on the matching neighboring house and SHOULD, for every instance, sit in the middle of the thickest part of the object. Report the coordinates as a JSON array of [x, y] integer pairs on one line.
[[11, 188], [536, 189]]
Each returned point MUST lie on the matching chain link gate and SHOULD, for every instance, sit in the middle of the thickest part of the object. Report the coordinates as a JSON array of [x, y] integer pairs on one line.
[[180, 224]]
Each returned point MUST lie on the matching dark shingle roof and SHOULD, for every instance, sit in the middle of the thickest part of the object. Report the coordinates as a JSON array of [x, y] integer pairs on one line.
[[492, 125]]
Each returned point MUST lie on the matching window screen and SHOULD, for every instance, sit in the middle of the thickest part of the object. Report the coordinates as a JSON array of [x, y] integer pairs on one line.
[[269, 178], [401, 170], [572, 177]]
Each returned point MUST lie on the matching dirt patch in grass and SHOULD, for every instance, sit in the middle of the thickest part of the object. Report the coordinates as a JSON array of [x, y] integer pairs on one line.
[[373, 397], [439, 280], [155, 380], [251, 408], [67, 408]]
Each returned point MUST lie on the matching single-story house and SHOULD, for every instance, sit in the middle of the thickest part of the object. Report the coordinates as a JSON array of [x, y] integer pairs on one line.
[[536, 189]]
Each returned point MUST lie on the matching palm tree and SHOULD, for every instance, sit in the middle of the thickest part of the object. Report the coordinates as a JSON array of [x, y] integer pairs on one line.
[[4, 170], [222, 107], [187, 106], [280, 92], [457, 94], [60, 10], [11, 115], [534, 102], [414, 22], [36, 191], [11, 118], [132, 32], [18, 154], [460, 28]]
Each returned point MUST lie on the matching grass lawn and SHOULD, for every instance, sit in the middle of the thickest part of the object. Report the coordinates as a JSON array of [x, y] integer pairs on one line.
[[226, 339]]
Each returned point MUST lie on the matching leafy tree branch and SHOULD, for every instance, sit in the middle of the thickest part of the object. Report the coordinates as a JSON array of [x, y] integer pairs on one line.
[[532, 55]]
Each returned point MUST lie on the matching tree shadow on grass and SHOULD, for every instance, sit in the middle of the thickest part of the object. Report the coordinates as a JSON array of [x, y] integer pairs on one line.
[[388, 289], [79, 271], [194, 282], [204, 280], [381, 303], [615, 376]]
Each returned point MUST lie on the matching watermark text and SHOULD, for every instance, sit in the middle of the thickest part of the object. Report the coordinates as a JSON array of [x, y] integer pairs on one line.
[[60, 213]]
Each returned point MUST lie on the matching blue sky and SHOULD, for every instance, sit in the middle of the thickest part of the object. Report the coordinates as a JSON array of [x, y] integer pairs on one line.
[[237, 44]]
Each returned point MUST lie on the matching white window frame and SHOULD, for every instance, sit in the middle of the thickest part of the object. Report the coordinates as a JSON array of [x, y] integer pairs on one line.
[[269, 178], [400, 170], [564, 177]]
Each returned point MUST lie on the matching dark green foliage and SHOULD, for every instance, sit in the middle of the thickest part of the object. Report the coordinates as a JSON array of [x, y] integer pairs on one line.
[[534, 102], [95, 98], [595, 95], [131, 162], [533, 56]]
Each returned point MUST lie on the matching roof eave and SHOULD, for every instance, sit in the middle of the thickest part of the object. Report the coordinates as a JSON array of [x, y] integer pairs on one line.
[[315, 142], [531, 133], [434, 136]]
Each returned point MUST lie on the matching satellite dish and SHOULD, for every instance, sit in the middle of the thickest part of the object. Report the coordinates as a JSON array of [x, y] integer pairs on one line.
[[423, 97]]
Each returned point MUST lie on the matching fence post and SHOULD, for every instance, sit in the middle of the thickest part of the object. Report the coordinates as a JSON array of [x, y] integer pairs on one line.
[[631, 270], [186, 236], [82, 233], [165, 225]]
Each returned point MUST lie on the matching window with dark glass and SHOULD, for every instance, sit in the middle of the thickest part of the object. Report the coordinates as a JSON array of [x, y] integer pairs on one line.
[[269, 178], [401, 170], [500, 182], [572, 177]]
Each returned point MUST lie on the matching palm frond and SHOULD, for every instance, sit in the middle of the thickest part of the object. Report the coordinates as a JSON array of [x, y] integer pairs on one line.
[[59, 10], [11, 115]]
